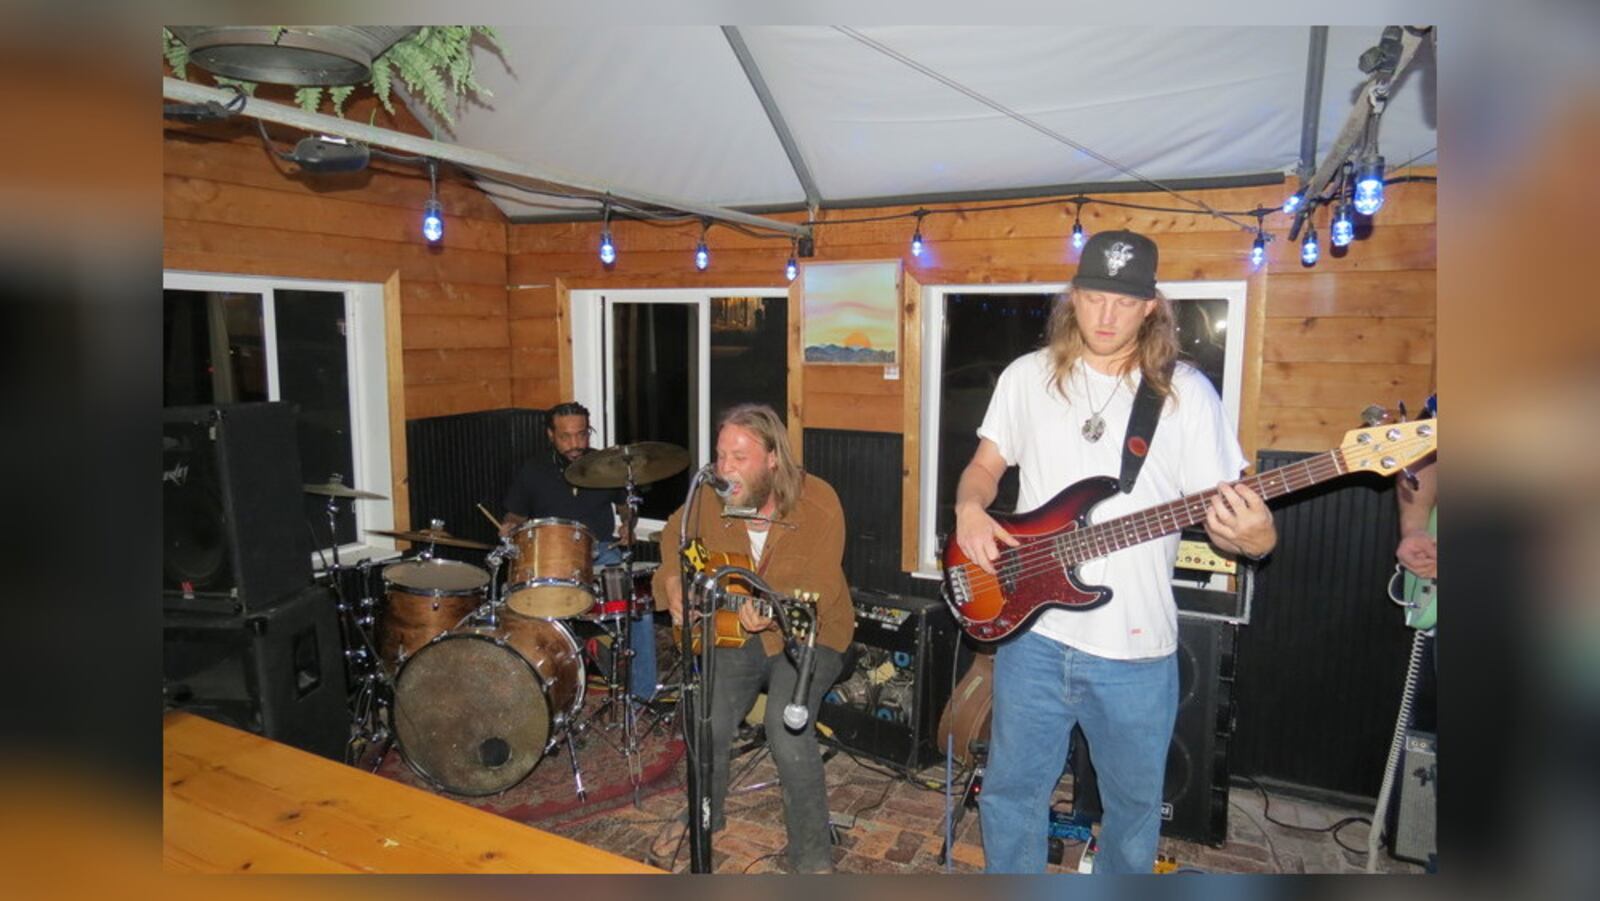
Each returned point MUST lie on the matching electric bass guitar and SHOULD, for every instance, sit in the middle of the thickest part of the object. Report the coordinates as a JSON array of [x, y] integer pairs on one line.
[[1041, 572], [800, 609]]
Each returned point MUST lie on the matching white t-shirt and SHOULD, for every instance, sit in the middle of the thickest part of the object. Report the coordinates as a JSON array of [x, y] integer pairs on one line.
[[758, 542], [1194, 447]]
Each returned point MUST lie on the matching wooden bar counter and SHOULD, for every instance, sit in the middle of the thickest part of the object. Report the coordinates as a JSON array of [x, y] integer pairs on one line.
[[236, 802]]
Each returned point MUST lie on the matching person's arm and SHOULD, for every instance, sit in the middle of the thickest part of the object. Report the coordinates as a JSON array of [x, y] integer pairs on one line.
[[1418, 550], [977, 534], [668, 581]]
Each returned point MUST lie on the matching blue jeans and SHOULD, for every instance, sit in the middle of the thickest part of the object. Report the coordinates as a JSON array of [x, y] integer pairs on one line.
[[1127, 709], [641, 634]]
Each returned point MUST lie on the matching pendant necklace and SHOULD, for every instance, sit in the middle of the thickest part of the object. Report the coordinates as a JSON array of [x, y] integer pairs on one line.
[[1095, 425]]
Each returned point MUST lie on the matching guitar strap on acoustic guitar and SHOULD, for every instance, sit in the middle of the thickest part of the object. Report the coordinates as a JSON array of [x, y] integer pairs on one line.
[[1141, 427]]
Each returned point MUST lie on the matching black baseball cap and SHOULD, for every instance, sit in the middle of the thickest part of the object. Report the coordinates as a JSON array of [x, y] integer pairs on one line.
[[1122, 262]]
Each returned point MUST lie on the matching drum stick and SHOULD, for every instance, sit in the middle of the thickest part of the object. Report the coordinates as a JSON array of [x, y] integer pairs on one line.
[[490, 517]]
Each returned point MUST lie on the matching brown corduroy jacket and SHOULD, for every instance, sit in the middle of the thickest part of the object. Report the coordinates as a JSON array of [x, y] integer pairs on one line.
[[807, 554]]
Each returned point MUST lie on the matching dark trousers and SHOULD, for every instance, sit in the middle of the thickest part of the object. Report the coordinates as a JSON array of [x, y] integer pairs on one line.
[[739, 674]]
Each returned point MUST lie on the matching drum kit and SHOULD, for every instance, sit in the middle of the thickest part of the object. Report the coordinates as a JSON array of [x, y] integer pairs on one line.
[[476, 673]]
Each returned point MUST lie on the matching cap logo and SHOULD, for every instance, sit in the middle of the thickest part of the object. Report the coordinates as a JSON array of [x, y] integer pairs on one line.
[[1117, 256]]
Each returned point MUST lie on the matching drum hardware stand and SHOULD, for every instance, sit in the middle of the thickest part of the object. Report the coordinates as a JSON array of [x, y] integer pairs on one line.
[[370, 704], [622, 653]]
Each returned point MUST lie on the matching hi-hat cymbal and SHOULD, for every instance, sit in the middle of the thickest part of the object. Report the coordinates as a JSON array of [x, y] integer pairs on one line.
[[650, 461], [339, 489], [433, 536]]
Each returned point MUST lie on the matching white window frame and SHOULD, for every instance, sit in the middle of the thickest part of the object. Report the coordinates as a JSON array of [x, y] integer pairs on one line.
[[593, 371], [368, 376], [933, 299]]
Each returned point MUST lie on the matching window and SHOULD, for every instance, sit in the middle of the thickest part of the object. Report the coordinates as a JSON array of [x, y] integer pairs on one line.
[[971, 333], [319, 345], [661, 365]]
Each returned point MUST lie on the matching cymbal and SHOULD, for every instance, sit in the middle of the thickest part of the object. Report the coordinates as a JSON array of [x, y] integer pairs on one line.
[[651, 461], [433, 536], [339, 489]]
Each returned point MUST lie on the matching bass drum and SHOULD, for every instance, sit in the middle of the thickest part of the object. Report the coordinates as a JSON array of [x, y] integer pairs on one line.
[[476, 709], [966, 717]]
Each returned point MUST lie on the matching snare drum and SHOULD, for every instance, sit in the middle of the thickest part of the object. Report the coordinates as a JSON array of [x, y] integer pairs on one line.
[[551, 574], [476, 709], [425, 598], [618, 596]]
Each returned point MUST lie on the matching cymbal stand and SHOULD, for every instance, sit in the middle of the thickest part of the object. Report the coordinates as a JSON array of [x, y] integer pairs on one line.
[[622, 653]]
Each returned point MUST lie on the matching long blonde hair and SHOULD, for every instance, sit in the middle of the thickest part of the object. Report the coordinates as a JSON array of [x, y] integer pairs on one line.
[[1155, 353], [763, 422]]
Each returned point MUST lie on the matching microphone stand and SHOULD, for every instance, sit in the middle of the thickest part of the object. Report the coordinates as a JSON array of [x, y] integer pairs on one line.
[[697, 685]]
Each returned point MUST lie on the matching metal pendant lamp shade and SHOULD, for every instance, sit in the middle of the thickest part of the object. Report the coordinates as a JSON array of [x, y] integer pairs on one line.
[[302, 55]]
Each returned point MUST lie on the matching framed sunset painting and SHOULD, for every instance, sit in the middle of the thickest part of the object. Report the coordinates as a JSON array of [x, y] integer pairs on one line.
[[850, 313]]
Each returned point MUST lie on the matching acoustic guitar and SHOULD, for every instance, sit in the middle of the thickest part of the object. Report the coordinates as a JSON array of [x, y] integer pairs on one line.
[[800, 609], [1042, 571]]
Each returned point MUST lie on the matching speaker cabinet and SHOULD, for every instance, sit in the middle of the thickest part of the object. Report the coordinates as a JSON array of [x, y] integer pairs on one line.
[[234, 536], [277, 671], [1195, 797], [887, 706]]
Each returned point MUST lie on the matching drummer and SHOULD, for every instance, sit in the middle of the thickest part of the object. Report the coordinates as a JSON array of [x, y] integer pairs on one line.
[[541, 490]]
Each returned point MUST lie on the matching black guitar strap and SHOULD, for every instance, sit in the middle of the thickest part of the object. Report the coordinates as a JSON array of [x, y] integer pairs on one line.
[[1141, 427]]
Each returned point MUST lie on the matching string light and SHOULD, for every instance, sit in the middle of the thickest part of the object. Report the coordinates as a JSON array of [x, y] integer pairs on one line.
[[432, 213], [790, 269], [1258, 249], [1343, 228], [916, 236], [1310, 250], [702, 256], [1077, 227], [1369, 185], [1294, 201], [608, 251]]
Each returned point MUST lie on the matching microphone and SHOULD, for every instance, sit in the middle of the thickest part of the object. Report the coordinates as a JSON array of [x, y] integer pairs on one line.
[[720, 485], [796, 714]]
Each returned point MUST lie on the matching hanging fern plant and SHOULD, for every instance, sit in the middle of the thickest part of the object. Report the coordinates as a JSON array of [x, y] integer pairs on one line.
[[434, 63]]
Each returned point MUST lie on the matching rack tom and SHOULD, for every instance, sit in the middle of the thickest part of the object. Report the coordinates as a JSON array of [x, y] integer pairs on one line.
[[425, 598], [553, 572]]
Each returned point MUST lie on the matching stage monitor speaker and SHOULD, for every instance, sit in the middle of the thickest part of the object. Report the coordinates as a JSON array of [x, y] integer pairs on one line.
[[887, 708], [234, 532], [1195, 796], [277, 671]]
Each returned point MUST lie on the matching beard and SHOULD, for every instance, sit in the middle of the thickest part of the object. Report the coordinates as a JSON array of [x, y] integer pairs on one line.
[[754, 493]]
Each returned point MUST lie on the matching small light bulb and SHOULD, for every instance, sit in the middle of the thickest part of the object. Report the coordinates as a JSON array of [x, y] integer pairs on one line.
[[1369, 186], [432, 220], [1294, 201], [916, 243], [791, 270], [1343, 229], [702, 257], [608, 251], [1258, 251], [1309, 248], [1077, 236]]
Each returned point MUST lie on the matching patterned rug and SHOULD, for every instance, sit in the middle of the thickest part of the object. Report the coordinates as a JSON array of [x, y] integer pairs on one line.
[[547, 797]]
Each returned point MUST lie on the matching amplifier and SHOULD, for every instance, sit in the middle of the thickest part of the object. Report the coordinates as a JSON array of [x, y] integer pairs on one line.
[[887, 707]]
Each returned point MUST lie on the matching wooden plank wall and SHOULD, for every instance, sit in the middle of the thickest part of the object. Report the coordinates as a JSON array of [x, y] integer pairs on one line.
[[230, 208], [1357, 328]]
